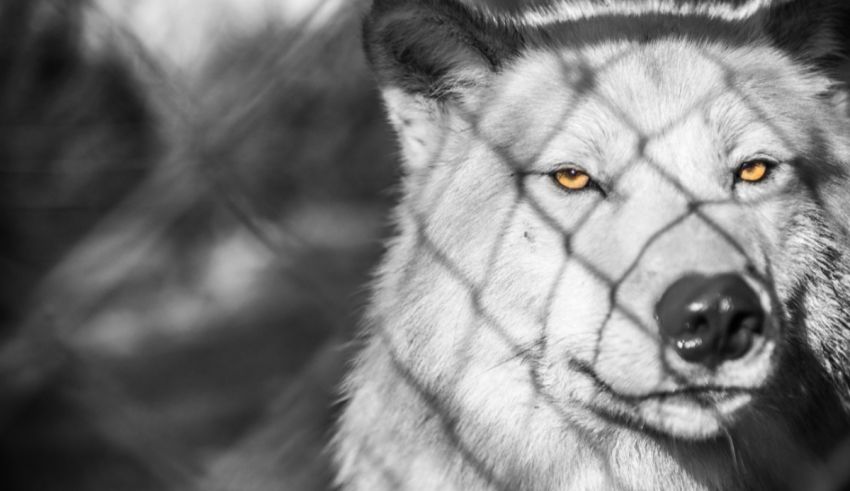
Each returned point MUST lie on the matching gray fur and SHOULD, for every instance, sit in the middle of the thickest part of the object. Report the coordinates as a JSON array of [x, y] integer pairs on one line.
[[510, 342]]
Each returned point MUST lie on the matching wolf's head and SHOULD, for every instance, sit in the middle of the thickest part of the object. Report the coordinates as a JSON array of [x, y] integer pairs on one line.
[[626, 214]]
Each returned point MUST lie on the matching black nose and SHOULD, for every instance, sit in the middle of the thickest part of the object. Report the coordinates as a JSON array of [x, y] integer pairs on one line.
[[710, 319]]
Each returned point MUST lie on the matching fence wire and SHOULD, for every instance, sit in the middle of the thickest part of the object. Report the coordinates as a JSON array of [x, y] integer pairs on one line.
[[125, 316]]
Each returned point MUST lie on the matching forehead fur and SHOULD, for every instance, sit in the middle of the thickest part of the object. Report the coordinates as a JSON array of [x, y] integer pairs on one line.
[[602, 97]]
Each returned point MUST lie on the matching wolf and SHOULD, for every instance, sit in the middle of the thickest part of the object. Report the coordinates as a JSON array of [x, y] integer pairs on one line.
[[621, 253]]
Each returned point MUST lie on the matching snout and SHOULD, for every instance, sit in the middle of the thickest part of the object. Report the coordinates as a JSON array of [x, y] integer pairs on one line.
[[709, 320]]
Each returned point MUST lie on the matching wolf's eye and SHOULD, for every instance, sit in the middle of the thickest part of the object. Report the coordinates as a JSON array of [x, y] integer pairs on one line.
[[571, 178], [753, 171]]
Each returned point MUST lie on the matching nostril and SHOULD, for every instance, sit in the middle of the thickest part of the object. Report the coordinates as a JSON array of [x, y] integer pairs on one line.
[[710, 319], [742, 329], [748, 322], [697, 339]]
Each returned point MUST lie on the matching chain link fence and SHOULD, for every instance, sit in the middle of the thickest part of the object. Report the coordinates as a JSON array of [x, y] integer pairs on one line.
[[193, 204]]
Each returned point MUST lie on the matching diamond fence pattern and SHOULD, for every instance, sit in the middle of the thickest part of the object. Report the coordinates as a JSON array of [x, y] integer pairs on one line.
[[533, 353], [235, 198]]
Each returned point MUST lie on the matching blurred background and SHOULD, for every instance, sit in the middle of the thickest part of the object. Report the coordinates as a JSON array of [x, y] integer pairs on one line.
[[192, 196]]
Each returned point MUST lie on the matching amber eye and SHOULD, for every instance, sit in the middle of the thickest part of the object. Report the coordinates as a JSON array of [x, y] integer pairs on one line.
[[753, 171], [572, 179]]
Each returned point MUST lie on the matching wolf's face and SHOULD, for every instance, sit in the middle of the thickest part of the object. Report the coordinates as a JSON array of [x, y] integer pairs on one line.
[[612, 230], [653, 207]]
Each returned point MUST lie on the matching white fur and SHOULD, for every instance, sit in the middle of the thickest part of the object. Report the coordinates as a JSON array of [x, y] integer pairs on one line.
[[480, 316]]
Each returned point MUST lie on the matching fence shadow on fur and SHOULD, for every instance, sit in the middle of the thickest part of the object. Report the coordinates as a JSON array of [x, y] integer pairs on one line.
[[221, 192], [827, 477]]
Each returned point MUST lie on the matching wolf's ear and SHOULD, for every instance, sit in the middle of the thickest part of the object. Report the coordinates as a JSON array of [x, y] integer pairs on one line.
[[434, 48], [818, 32], [431, 58], [813, 29]]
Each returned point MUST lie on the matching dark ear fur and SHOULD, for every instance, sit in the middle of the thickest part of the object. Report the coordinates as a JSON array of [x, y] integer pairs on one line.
[[815, 30], [818, 32], [434, 48]]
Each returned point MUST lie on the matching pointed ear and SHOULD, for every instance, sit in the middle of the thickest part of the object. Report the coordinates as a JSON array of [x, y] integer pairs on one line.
[[818, 32], [432, 59], [434, 48], [813, 29]]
